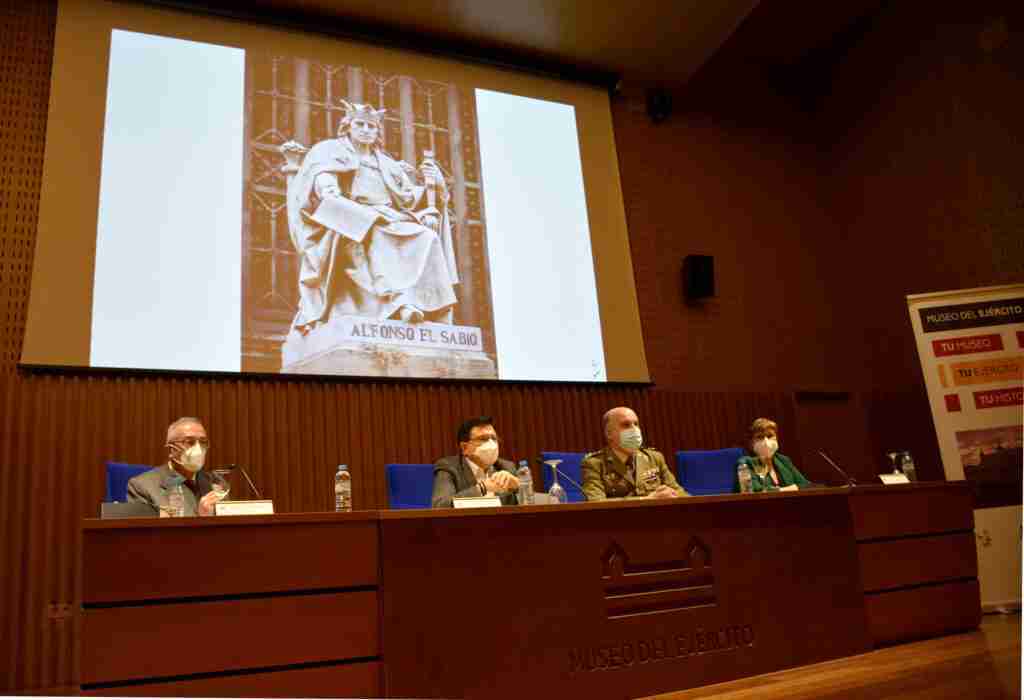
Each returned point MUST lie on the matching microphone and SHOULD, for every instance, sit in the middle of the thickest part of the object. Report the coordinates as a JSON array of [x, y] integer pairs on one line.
[[850, 481], [560, 472], [240, 468]]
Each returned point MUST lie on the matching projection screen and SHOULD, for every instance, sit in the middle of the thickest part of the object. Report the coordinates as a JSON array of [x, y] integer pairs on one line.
[[228, 197]]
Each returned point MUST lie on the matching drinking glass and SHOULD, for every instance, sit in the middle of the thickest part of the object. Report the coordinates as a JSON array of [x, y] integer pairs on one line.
[[556, 493], [220, 480]]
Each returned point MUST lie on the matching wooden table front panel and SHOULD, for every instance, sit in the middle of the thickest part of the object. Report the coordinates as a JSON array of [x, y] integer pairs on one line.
[[151, 559], [918, 559], [494, 604], [905, 510], [261, 606], [153, 641], [354, 680], [889, 564]]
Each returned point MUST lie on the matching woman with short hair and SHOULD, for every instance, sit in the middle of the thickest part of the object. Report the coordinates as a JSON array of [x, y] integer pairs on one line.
[[769, 470]]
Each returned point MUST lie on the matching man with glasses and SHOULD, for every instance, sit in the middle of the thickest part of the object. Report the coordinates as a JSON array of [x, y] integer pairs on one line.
[[187, 446], [476, 470]]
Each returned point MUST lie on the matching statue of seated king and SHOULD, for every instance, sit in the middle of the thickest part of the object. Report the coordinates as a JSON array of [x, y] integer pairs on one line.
[[372, 241]]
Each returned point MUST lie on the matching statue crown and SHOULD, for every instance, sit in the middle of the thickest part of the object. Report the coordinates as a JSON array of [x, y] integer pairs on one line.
[[355, 110]]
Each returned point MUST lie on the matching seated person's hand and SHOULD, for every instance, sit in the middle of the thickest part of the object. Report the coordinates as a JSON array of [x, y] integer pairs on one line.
[[664, 491], [500, 482], [791, 487], [327, 186], [207, 502], [430, 171]]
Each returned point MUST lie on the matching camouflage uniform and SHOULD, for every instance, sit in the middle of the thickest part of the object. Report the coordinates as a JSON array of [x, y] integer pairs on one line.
[[604, 475]]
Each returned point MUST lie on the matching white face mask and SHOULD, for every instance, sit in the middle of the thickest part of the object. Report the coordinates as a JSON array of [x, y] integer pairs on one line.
[[766, 447], [487, 453], [193, 458], [630, 439]]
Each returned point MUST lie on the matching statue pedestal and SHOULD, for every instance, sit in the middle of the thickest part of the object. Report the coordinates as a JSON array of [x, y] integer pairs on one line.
[[353, 345]]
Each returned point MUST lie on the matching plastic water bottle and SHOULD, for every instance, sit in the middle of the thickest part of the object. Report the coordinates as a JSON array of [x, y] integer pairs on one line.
[[176, 501], [525, 484], [745, 479], [909, 470], [342, 490]]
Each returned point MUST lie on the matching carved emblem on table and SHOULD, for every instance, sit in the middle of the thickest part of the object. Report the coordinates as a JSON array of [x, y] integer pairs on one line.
[[660, 587]]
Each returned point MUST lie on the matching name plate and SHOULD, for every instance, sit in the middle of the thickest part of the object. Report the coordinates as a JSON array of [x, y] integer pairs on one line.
[[244, 508], [477, 502], [424, 335], [890, 479]]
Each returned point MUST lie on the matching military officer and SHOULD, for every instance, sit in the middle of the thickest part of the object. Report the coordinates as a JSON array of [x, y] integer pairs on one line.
[[624, 468]]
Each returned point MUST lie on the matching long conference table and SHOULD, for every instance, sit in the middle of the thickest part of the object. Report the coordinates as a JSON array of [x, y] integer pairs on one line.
[[597, 600]]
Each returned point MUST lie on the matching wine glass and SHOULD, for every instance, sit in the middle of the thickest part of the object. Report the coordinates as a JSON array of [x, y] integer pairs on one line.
[[892, 460], [556, 493], [220, 480]]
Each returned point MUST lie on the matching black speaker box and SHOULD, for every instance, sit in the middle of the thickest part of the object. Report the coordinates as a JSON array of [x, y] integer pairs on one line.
[[698, 277]]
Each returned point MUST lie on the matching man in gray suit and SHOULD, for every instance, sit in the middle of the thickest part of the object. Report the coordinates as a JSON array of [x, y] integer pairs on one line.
[[476, 470], [187, 445]]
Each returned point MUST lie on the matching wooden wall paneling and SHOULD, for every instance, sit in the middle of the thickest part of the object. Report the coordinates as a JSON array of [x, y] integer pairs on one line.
[[309, 463], [386, 418], [14, 509], [243, 438], [274, 454], [324, 425], [56, 543]]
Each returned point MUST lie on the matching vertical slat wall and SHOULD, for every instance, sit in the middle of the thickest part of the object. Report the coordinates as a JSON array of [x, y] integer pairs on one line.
[[56, 430]]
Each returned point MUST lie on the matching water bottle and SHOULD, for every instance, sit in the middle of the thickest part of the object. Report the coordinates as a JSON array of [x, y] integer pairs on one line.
[[342, 490], [176, 501], [745, 479], [909, 470], [525, 484]]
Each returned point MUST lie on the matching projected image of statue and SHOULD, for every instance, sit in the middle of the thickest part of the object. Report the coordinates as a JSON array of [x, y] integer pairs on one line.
[[372, 241], [364, 249]]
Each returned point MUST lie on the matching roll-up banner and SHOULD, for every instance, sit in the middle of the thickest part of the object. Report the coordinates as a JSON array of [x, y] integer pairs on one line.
[[971, 346]]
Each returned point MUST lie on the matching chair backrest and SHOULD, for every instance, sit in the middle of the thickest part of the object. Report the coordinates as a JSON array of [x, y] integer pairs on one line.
[[118, 476], [135, 509], [708, 472], [410, 485], [570, 466]]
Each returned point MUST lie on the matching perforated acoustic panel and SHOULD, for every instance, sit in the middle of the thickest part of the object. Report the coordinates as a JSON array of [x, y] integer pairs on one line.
[[58, 429], [26, 51]]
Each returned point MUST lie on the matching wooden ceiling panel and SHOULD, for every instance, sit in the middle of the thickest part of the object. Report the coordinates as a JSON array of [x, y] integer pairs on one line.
[[644, 41]]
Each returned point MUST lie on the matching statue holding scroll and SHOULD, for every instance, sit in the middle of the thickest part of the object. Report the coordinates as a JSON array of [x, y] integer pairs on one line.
[[372, 241]]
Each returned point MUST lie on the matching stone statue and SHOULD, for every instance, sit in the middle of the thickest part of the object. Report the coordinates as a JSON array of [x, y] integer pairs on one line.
[[372, 242]]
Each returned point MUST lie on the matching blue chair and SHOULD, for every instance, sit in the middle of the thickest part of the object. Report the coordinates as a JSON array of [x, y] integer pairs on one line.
[[571, 466], [118, 476], [410, 485], [708, 472]]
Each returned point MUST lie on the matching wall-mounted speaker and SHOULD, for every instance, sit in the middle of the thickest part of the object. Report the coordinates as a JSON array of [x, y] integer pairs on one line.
[[698, 277]]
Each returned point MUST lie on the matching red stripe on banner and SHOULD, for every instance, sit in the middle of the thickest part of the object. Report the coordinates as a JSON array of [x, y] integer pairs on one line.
[[969, 344], [997, 398]]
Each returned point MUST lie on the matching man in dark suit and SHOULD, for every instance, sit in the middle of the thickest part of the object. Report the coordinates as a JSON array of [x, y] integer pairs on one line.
[[476, 470], [187, 445]]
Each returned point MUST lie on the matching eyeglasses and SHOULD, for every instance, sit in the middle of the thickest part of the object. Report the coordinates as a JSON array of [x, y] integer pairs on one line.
[[190, 441], [484, 438]]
